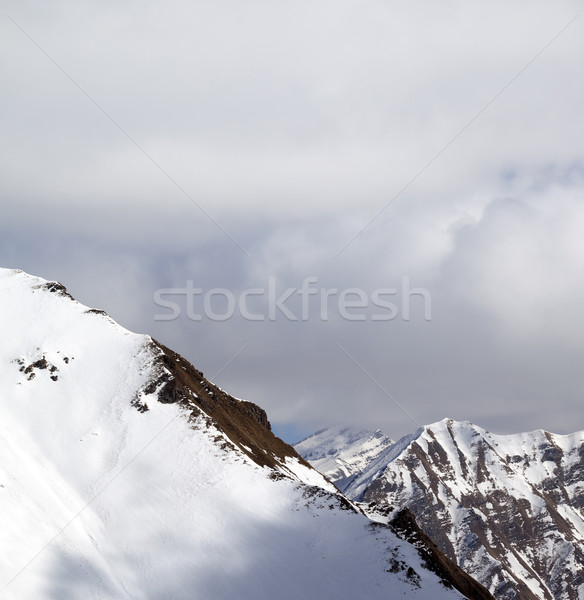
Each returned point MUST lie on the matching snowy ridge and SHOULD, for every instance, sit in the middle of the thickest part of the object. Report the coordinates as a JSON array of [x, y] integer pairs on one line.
[[376, 468], [116, 483], [508, 508], [341, 453]]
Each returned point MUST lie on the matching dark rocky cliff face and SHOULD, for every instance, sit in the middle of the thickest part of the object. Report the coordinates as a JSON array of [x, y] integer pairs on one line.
[[244, 423], [507, 509], [405, 526]]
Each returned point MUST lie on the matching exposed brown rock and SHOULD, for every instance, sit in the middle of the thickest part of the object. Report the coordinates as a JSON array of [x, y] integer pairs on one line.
[[404, 525], [244, 423]]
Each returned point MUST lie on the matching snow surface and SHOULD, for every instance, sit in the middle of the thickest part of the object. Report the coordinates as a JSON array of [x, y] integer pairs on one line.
[[101, 501]]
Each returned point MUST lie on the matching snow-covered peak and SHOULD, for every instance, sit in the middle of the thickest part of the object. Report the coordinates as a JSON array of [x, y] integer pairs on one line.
[[533, 456], [52, 343], [341, 453]]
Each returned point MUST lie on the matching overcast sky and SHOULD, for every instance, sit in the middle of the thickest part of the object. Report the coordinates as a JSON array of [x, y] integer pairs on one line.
[[371, 145]]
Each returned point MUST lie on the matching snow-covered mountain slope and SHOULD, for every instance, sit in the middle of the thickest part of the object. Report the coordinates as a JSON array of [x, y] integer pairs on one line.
[[124, 474], [508, 508], [341, 453]]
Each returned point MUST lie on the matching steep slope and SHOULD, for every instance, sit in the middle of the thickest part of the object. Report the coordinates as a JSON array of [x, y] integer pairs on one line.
[[125, 474], [341, 453], [507, 508]]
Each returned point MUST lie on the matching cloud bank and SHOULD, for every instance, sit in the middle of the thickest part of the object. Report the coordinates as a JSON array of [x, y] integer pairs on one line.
[[356, 143]]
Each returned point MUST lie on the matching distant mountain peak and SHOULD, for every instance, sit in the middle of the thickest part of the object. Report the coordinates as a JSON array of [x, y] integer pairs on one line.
[[342, 452]]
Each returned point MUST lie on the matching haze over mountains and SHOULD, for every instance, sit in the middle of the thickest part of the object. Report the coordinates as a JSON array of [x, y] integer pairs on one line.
[[124, 473], [343, 453], [507, 508]]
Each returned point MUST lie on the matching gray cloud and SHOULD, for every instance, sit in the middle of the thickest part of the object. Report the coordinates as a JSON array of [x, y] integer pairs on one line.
[[292, 125]]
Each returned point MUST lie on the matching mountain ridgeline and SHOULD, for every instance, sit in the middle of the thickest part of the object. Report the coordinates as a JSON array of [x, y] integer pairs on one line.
[[509, 509], [125, 474]]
